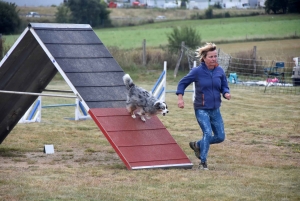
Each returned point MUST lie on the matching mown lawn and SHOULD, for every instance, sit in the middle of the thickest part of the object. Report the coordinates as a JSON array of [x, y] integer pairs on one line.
[[259, 160]]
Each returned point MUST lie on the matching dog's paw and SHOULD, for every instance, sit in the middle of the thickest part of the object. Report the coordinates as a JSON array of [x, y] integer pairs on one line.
[[143, 118], [133, 116]]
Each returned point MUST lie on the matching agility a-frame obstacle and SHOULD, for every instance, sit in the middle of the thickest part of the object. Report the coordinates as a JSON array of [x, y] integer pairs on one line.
[[95, 78]]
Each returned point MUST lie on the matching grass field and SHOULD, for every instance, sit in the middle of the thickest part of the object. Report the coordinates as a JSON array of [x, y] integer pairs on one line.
[[216, 30], [264, 28], [259, 160]]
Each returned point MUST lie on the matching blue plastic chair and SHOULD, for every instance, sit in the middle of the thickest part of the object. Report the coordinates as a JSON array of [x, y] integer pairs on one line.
[[276, 71]]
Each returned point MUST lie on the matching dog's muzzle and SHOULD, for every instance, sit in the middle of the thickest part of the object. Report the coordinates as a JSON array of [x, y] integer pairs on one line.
[[164, 113]]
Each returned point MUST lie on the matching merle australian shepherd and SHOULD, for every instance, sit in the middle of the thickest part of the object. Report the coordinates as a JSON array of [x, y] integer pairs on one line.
[[141, 100]]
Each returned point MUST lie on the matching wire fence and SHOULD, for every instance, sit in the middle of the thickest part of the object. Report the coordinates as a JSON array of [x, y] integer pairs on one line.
[[254, 74]]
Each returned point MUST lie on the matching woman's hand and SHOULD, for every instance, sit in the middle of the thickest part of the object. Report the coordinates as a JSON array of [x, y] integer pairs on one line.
[[180, 101], [227, 96]]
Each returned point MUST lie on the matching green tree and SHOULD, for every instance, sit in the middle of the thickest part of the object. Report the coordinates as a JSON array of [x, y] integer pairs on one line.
[[276, 6], [91, 12], [189, 35], [209, 13], [9, 18], [294, 6], [63, 14], [183, 3]]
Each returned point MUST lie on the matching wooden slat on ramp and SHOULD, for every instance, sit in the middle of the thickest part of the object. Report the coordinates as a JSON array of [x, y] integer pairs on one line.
[[139, 144]]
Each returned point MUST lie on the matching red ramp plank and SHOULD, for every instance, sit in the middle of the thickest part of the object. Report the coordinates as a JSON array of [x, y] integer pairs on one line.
[[140, 145]]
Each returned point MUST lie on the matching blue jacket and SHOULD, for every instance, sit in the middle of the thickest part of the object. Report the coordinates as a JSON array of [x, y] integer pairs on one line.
[[209, 85]]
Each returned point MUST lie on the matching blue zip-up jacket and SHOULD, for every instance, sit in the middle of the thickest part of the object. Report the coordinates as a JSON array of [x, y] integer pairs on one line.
[[209, 85]]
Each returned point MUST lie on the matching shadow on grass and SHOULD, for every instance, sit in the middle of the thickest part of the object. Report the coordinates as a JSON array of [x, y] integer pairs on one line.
[[11, 152], [116, 166]]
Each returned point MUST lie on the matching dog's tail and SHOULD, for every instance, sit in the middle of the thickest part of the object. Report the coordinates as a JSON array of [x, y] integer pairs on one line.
[[128, 81]]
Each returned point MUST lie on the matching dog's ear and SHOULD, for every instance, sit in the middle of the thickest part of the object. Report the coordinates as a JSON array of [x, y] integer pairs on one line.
[[157, 105], [166, 105]]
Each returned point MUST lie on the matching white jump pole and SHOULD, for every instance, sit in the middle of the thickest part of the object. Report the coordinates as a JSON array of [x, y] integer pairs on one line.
[[36, 94], [38, 114]]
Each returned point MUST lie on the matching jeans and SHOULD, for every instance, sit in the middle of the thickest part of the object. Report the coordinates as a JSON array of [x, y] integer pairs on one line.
[[209, 121]]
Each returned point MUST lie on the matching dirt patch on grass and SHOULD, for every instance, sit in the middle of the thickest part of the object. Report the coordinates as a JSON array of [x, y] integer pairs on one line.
[[77, 158]]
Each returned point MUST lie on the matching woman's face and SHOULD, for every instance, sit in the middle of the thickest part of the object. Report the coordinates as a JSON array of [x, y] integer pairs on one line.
[[211, 59]]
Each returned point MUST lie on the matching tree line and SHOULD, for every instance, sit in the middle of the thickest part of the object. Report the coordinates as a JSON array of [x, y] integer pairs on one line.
[[282, 6], [95, 13]]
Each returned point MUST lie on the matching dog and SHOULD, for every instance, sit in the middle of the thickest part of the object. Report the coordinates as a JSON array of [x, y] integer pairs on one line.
[[143, 101]]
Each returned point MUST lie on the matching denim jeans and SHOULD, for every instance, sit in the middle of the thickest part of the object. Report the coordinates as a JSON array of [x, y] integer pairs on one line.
[[212, 126]]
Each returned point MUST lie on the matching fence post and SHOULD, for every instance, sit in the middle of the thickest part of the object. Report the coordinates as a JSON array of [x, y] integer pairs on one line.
[[179, 60], [254, 59], [144, 52]]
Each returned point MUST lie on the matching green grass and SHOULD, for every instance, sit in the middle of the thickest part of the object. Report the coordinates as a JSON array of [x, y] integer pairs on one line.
[[225, 29], [259, 159], [229, 29]]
